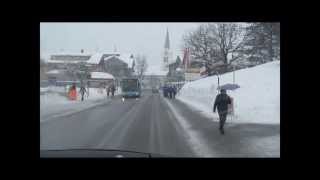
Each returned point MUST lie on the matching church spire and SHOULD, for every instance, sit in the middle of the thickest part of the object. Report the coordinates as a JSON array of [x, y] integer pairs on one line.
[[167, 42], [114, 48]]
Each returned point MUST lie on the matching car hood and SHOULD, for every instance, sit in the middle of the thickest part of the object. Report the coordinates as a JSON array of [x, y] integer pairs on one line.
[[96, 153]]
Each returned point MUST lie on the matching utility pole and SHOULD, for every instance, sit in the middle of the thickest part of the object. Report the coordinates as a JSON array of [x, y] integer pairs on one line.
[[234, 68], [218, 79]]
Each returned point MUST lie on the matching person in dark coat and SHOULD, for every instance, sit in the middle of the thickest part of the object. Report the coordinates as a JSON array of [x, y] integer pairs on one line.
[[165, 91], [113, 88], [82, 91], [170, 92], [221, 102], [108, 91], [174, 92]]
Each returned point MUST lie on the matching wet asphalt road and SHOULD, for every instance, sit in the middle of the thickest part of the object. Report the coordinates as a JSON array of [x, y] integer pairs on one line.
[[149, 125]]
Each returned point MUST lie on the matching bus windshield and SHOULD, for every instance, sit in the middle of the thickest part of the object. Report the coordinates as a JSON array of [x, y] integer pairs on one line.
[[130, 85]]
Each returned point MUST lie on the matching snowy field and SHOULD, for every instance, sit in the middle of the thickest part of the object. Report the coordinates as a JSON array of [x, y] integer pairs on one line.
[[53, 101], [256, 101]]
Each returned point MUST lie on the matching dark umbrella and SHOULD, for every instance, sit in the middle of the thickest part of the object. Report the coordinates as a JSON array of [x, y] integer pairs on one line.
[[229, 86]]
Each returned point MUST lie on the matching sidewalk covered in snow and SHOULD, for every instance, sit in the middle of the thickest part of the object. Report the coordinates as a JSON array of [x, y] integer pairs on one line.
[[257, 101]]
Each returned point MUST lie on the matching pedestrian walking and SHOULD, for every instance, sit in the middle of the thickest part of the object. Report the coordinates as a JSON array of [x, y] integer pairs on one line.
[[221, 103], [108, 90], [170, 92], [72, 94], [174, 92], [113, 88], [164, 91], [88, 87], [82, 91]]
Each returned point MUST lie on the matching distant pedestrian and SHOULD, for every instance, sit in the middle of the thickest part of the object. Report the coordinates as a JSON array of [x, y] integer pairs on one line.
[[221, 102], [88, 87], [72, 94], [82, 91], [113, 89], [174, 92], [169, 92], [164, 90], [108, 90]]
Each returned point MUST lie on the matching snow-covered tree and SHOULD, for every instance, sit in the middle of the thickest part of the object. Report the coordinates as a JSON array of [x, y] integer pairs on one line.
[[141, 66]]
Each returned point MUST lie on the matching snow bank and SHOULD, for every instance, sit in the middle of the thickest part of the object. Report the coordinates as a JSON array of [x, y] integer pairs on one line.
[[53, 89], [54, 102], [256, 101]]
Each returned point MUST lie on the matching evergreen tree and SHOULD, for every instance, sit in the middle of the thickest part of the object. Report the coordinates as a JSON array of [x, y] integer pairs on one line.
[[262, 42]]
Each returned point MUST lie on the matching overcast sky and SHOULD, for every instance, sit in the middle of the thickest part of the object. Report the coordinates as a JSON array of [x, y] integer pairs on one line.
[[135, 38]]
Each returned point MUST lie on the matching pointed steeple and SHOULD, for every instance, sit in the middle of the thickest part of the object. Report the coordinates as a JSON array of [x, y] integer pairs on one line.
[[114, 48], [167, 42]]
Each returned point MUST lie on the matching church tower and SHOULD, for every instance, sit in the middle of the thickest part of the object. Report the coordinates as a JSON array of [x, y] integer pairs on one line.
[[166, 53]]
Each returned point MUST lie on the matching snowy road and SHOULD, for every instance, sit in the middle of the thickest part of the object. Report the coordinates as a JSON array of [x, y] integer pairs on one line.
[[157, 125]]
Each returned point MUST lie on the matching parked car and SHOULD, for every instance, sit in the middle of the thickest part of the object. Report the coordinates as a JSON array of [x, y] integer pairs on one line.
[[155, 90]]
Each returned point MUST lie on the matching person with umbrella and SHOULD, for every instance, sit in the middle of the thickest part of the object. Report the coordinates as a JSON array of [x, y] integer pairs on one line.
[[221, 103]]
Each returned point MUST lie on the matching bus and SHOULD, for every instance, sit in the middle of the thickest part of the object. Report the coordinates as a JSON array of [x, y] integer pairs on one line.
[[130, 87]]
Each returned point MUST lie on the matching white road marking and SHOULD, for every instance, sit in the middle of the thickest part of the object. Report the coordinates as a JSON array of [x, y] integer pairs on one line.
[[195, 139]]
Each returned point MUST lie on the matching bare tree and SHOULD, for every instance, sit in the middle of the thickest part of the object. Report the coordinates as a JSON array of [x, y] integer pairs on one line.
[[229, 42], [200, 44], [141, 66], [215, 42], [228, 39]]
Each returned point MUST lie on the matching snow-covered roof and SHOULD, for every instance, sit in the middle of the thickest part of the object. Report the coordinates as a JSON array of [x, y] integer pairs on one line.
[[95, 59], [55, 71], [71, 54], [60, 61], [123, 57], [127, 59], [63, 57], [109, 57], [101, 75]]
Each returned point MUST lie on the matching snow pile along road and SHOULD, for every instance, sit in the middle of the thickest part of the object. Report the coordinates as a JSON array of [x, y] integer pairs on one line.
[[55, 103], [256, 101]]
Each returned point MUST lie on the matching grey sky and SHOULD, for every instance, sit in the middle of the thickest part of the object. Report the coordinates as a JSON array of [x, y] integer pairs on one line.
[[135, 38]]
